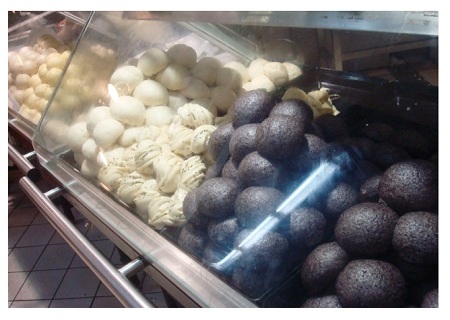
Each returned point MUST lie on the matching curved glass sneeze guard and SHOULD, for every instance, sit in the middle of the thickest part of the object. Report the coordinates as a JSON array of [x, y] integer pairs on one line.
[[151, 128]]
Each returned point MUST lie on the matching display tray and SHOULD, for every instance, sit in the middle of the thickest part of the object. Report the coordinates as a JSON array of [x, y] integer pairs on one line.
[[361, 101]]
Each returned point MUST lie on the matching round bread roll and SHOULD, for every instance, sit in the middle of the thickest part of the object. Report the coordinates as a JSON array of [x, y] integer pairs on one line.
[[129, 136], [159, 116], [293, 70], [174, 77], [196, 89], [22, 81], [89, 168], [96, 115], [128, 110], [276, 72], [90, 149], [151, 93], [229, 77], [126, 78], [153, 61], [35, 80], [52, 76], [260, 82], [176, 100], [77, 136], [239, 67], [256, 67], [54, 60], [107, 132], [183, 55], [206, 69], [113, 156], [223, 98]]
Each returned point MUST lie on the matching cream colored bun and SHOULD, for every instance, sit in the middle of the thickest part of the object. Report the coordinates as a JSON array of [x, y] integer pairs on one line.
[[40, 90], [229, 77], [180, 140], [174, 77], [129, 136], [129, 187], [107, 132], [196, 89], [146, 153], [192, 173], [128, 110], [111, 176], [200, 138], [42, 71], [183, 55], [19, 96], [153, 61], [293, 70], [52, 76], [77, 136], [276, 72], [167, 169], [205, 103], [89, 168], [147, 191], [96, 115], [158, 210], [22, 81], [30, 66], [90, 150], [55, 130], [256, 67], [159, 116], [55, 60], [193, 116], [35, 80], [111, 156], [223, 98], [239, 67], [206, 69], [151, 93], [126, 78], [176, 100], [262, 82]]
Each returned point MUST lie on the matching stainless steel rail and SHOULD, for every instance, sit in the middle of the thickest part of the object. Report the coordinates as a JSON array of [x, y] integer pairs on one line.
[[116, 282], [23, 163]]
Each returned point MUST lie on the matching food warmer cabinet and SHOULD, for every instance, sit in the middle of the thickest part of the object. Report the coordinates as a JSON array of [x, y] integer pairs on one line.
[[230, 158]]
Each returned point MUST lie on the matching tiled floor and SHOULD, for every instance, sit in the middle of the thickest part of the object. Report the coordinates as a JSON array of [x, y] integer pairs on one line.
[[45, 272]]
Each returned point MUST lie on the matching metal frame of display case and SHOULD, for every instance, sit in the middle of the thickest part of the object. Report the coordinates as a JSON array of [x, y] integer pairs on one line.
[[183, 277]]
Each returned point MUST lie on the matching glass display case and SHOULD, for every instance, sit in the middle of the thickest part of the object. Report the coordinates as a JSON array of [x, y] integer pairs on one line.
[[246, 160]]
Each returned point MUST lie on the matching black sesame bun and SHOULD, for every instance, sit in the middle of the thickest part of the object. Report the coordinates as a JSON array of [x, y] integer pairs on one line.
[[190, 210], [252, 107], [254, 204], [368, 192], [330, 301], [416, 238], [431, 300], [414, 142], [255, 170], [243, 141], [410, 186], [218, 144], [366, 229], [377, 131], [216, 197], [371, 284], [340, 198], [307, 227], [280, 137], [293, 108], [192, 240], [322, 266], [230, 170], [333, 127], [224, 231], [387, 154]]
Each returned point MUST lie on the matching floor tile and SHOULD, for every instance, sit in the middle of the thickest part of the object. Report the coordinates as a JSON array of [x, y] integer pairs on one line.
[[36, 235], [40, 219], [14, 235], [25, 203], [15, 282], [107, 302], [23, 259], [41, 285], [78, 283], [31, 304], [57, 239], [58, 256], [71, 303], [14, 200], [22, 217]]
